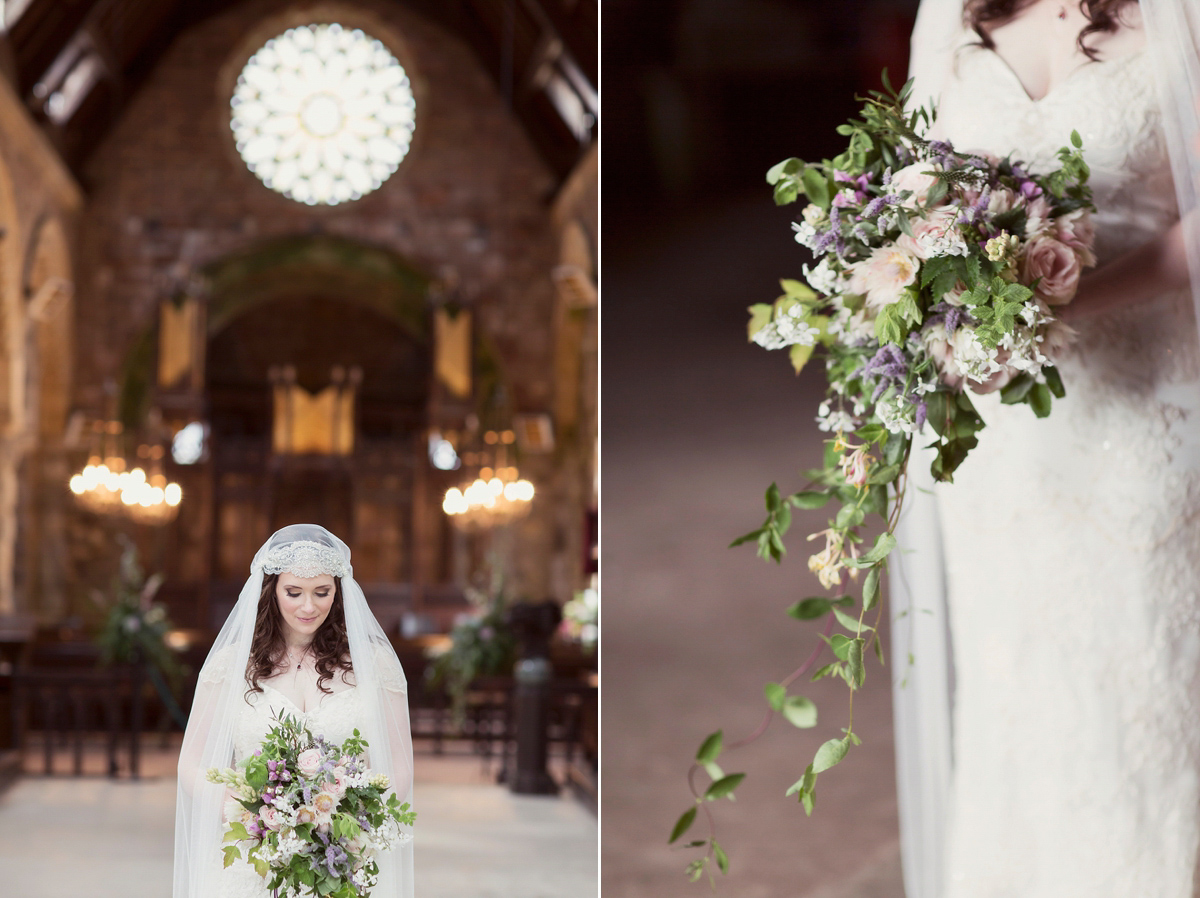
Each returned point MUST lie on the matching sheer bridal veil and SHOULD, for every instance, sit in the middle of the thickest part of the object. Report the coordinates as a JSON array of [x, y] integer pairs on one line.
[[923, 690], [305, 550]]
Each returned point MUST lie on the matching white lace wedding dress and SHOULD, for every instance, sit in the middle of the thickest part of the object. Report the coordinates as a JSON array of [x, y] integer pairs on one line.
[[1072, 546]]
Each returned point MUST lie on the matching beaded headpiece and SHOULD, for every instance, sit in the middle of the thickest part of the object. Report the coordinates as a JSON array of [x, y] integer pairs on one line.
[[305, 558]]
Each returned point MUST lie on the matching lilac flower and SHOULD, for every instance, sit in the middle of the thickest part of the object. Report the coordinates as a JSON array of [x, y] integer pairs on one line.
[[887, 176], [922, 409], [878, 204], [822, 243], [889, 365], [952, 317]]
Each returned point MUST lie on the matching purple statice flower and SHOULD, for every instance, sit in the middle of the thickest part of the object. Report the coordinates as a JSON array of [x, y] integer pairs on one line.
[[307, 794], [889, 366], [952, 317], [922, 410], [823, 242], [887, 176], [861, 234], [334, 855]]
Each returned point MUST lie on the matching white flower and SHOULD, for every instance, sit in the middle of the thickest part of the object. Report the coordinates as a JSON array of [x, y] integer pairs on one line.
[[806, 234], [788, 328], [822, 278], [813, 214]]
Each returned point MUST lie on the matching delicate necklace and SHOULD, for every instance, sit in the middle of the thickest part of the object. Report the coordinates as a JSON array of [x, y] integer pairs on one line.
[[300, 662], [1062, 13]]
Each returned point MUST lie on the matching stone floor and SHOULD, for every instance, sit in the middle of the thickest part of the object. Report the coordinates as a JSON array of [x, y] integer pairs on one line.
[[63, 837], [696, 424]]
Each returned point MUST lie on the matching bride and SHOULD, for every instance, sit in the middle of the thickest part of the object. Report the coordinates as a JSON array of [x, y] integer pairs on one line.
[[1066, 555], [301, 641]]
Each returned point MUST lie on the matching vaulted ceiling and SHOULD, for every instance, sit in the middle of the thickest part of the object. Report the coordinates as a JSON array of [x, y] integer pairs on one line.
[[76, 63]]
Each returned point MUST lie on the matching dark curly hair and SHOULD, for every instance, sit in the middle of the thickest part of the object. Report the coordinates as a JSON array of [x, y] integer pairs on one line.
[[1102, 16], [269, 649]]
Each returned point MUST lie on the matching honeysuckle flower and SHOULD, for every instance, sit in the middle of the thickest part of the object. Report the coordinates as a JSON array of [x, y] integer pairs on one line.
[[827, 564]]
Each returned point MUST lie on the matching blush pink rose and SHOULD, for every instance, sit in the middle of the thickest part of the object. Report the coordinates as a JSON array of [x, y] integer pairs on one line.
[[309, 761], [914, 177], [1058, 267], [1078, 231], [935, 224], [271, 818]]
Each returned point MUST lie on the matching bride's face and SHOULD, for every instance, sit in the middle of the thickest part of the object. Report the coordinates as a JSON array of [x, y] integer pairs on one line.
[[304, 603]]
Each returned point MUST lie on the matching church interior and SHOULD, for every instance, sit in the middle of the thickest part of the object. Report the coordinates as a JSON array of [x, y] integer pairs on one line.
[[265, 262]]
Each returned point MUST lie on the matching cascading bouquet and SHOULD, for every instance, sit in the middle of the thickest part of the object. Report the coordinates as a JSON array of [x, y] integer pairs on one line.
[[937, 273], [310, 815]]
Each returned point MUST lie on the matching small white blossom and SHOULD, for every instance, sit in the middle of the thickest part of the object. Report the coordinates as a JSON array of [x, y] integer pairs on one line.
[[806, 234], [788, 328], [823, 278], [813, 214]]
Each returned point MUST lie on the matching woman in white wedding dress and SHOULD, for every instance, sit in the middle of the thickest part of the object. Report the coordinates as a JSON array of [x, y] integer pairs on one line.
[[1070, 545], [300, 641]]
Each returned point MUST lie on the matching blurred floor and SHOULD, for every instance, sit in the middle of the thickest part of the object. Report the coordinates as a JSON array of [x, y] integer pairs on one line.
[[696, 423], [62, 837]]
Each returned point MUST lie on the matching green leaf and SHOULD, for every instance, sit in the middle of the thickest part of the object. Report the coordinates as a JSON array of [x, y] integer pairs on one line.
[[884, 544], [237, 833], [809, 499], [808, 799], [798, 355], [1039, 400], [724, 786], [800, 712], [828, 670], [871, 590], [885, 474], [722, 858], [1076, 140], [710, 748], [840, 645], [786, 167], [830, 754], [1017, 389], [231, 854], [858, 672], [850, 515], [772, 497], [775, 695], [794, 289], [877, 644], [816, 186], [747, 537], [760, 317], [683, 824], [849, 622], [811, 609], [714, 771], [1054, 381]]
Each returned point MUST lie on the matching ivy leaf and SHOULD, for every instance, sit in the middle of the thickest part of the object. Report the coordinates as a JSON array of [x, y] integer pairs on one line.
[[683, 824], [798, 355], [724, 786], [775, 695], [800, 712], [231, 854], [710, 748], [830, 754]]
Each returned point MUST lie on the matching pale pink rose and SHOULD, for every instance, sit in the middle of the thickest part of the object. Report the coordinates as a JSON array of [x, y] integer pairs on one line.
[[882, 277], [1037, 217], [1078, 231], [271, 818], [935, 224], [309, 761], [1058, 267], [337, 788], [914, 177]]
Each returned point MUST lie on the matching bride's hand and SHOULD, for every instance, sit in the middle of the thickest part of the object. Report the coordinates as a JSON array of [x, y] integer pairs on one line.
[[1156, 267]]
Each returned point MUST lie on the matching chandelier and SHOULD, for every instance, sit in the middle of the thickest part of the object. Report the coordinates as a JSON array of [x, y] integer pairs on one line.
[[107, 485], [497, 495]]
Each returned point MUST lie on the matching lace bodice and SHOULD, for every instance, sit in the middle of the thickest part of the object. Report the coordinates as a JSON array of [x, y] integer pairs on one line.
[[334, 718]]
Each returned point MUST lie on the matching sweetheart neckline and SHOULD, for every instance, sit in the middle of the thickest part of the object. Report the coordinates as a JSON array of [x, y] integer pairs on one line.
[[298, 708], [1036, 101]]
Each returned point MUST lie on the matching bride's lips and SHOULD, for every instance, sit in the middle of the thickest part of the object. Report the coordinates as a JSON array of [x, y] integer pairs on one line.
[[307, 620]]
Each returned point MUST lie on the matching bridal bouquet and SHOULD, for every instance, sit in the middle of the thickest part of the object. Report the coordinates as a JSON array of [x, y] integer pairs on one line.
[[310, 815], [937, 273]]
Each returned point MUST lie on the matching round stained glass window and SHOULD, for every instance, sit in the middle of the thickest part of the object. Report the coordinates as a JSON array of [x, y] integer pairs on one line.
[[323, 114]]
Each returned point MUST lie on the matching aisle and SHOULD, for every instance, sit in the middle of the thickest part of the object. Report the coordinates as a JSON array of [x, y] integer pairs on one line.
[[63, 838]]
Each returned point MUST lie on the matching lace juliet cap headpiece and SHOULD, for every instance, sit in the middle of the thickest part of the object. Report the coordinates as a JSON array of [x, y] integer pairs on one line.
[[305, 558]]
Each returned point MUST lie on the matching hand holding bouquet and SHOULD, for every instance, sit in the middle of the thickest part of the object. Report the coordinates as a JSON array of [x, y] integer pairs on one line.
[[937, 273], [310, 815]]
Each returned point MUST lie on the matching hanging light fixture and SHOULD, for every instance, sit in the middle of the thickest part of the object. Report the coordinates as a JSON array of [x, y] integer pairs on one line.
[[105, 486], [498, 494]]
